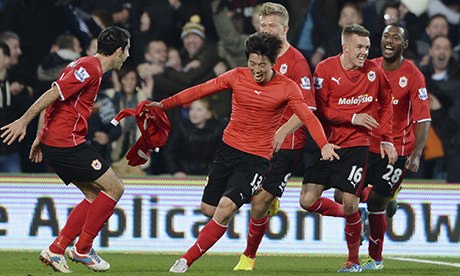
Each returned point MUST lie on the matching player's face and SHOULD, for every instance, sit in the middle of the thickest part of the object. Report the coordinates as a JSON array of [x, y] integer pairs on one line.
[[273, 24], [356, 49], [122, 57], [261, 68], [392, 43]]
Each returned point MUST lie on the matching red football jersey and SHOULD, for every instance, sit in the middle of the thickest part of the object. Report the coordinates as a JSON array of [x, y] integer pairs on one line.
[[66, 120], [256, 109], [293, 65], [410, 103], [342, 93]]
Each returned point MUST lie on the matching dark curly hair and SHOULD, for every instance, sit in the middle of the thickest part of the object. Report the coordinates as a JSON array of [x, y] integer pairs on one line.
[[264, 44]]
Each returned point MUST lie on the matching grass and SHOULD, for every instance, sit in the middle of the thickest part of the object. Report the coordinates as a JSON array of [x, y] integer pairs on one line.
[[27, 263]]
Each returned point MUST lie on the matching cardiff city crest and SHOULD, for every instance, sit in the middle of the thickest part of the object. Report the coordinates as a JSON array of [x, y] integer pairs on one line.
[[403, 82]]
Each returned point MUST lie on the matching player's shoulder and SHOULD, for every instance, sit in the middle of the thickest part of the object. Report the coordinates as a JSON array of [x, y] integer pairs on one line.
[[410, 67], [90, 63], [283, 79], [372, 64], [295, 54], [85, 68], [238, 71], [377, 61], [329, 64]]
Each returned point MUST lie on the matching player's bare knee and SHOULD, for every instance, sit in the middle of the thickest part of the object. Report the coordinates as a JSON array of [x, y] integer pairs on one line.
[[338, 196], [259, 211], [114, 190], [207, 209], [306, 201], [305, 204], [350, 209]]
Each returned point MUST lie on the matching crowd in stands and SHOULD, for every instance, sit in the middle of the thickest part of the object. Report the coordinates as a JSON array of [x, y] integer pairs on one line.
[[180, 43]]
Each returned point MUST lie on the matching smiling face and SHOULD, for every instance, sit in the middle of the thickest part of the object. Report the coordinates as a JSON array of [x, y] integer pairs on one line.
[[355, 51], [260, 67], [441, 52], [393, 43], [273, 24], [199, 113], [192, 44]]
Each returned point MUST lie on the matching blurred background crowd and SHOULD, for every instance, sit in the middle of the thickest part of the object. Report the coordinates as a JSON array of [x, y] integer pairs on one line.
[[179, 43]]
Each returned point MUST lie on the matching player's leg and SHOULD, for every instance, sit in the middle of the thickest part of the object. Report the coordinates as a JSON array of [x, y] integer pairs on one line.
[[316, 179], [392, 206], [75, 220], [349, 175], [98, 214], [386, 179], [243, 182], [217, 180], [258, 225], [54, 254], [208, 236], [81, 163], [262, 203]]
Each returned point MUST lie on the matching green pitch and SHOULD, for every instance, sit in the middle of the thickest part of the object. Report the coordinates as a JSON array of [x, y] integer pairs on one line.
[[27, 263]]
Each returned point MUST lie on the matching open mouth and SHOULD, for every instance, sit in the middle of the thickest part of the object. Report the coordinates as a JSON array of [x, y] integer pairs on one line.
[[388, 50], [258, 77]]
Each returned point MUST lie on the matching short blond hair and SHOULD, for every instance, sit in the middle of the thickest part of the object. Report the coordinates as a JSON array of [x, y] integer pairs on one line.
[[270, 8], [354, 29]]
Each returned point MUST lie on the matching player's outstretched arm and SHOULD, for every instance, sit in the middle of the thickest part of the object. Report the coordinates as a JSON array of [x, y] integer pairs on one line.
[[17, 129]]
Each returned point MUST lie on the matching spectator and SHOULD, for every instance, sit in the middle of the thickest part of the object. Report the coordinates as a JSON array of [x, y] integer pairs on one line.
[[349, 14], [64, 50], [157, 21], [129, 95], [301, 26], [13, 41], [92, 47], [23, 95], [199, 59], [191, 144], [443, 79], [200, 63], [230, 28], [174, 60], [12, 106], [437, 25], [186, 9], [101, 133]]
